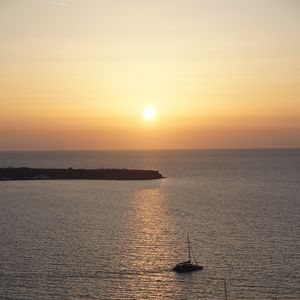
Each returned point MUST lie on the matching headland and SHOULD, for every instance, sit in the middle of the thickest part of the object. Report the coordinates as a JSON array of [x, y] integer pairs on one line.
[[24, 173]]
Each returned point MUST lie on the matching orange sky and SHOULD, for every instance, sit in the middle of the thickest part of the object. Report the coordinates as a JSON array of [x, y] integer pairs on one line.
[[220, 74]]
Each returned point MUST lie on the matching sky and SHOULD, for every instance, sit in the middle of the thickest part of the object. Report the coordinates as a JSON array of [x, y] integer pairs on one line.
[[219, 74]]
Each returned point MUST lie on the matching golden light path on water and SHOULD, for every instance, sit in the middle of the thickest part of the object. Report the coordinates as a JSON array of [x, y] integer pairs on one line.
[[151, 232]]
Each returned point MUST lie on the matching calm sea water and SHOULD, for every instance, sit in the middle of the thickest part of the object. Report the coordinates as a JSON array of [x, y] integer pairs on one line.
[[119, 240]]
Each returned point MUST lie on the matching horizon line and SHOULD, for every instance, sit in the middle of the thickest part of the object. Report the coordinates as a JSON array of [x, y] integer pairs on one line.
[[151, 149]]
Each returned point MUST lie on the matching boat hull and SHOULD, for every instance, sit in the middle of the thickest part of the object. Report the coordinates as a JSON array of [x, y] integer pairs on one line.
[[187, 267]]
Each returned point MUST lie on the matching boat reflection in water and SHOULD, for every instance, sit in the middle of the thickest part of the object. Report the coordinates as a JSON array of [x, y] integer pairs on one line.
[[189, 265]]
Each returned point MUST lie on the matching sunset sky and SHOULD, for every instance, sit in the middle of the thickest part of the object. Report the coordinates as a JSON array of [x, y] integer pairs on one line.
[[217, 74]]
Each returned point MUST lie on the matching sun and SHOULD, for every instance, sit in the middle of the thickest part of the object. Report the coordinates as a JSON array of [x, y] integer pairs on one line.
[[149, 113]]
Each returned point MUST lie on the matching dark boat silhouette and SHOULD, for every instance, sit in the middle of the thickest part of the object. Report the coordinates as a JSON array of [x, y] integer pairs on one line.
[[189, 265]]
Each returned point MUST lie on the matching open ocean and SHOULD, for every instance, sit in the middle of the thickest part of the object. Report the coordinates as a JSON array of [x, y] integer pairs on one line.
[[120, 239]]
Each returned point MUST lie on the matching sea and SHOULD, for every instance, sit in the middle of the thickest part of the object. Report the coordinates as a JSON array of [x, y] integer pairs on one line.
[[89, 239]]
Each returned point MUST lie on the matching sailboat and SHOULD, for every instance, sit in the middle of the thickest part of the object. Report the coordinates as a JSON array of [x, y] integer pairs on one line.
[[189, 265]]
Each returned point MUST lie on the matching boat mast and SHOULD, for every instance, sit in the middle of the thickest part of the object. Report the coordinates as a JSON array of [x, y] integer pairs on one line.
[[225, 289], [189, 247]]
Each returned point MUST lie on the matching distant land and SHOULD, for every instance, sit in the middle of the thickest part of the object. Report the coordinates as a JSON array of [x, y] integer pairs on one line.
[[25, 173]]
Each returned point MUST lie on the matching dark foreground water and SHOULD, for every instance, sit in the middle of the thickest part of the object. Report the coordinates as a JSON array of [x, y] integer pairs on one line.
[[119, 240]]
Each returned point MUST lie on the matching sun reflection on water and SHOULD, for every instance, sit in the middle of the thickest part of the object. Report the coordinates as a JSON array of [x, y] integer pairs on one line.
[[151, 243]]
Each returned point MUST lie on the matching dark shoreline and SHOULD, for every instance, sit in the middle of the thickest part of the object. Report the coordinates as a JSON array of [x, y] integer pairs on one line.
[[24, 173]]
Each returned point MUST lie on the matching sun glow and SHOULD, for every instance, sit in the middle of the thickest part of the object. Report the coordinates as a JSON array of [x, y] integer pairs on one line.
[[149, 113]]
